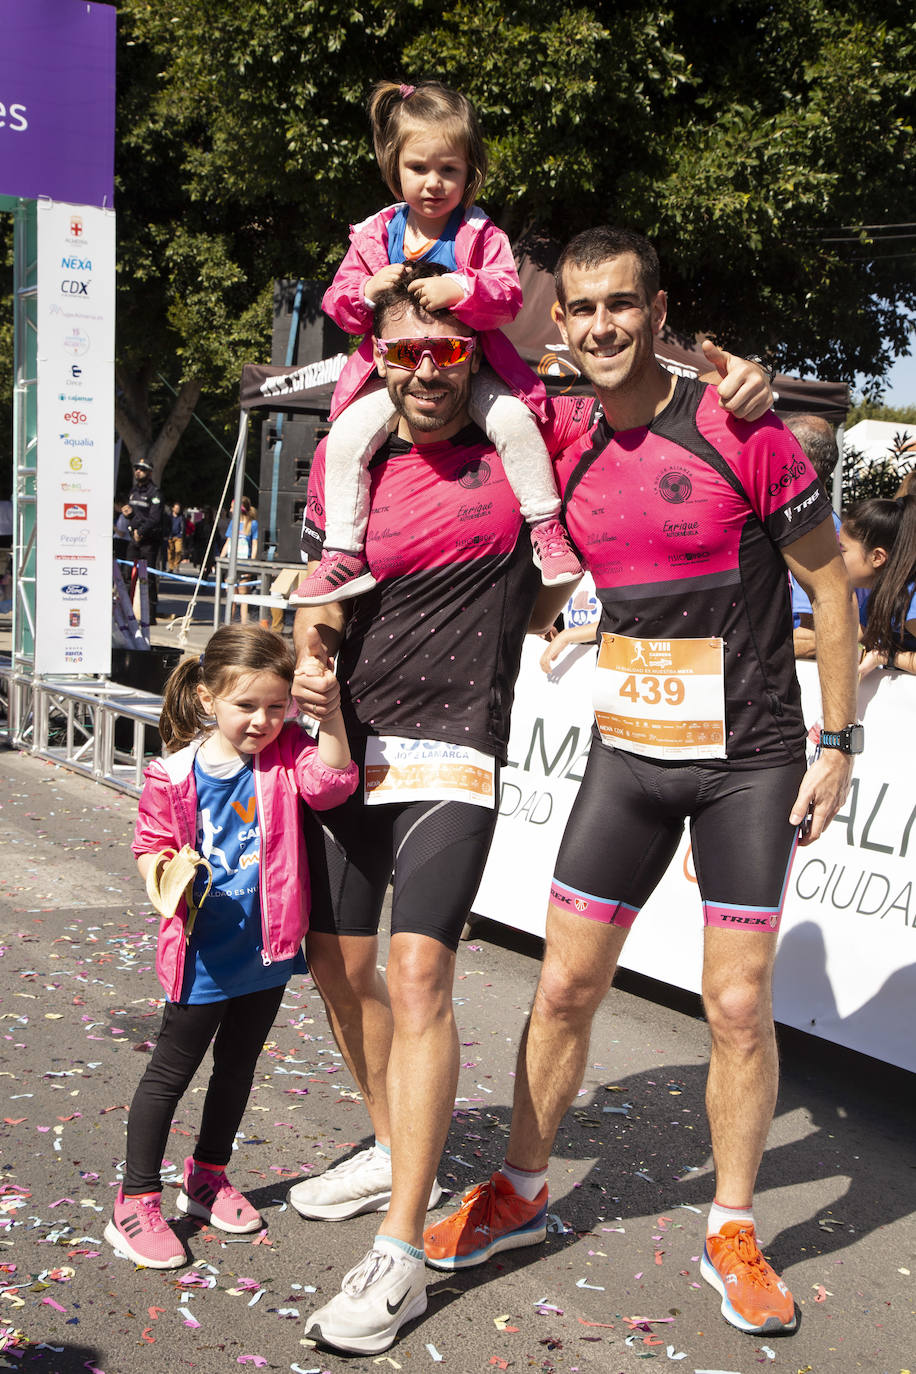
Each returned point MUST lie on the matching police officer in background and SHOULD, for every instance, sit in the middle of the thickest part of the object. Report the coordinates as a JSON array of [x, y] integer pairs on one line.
[[144, 518]]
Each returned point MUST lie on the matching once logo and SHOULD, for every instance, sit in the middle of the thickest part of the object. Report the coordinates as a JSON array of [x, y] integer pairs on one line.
[[76, 510], [475, 474], [675, 486]]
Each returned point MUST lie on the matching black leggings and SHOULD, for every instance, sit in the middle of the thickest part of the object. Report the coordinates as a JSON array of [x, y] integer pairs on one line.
[[240, 1026]]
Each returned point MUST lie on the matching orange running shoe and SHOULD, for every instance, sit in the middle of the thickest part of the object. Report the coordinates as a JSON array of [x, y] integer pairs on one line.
[[754, 1297], [492, 1217]]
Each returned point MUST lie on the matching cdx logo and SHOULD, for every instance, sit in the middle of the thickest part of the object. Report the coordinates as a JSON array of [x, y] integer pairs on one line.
[[71, 286]]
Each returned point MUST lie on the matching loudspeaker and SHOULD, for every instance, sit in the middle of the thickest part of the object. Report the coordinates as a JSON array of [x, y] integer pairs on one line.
[[288, 441]]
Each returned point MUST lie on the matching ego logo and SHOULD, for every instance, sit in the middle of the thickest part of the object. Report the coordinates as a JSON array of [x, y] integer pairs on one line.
[[75, 417], [674, 486], [475, 474], [76, 510]]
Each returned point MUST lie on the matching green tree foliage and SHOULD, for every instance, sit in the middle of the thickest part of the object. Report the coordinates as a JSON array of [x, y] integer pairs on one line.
[[745, 137]]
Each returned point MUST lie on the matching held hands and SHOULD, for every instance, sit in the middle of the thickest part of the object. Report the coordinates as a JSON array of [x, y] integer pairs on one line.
[[871, 659], [436, 293], [315, 687], [823, 790], [385, 277], [745, 389]]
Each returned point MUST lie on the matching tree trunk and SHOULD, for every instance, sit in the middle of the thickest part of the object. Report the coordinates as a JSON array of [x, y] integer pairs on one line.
[[134, 421]]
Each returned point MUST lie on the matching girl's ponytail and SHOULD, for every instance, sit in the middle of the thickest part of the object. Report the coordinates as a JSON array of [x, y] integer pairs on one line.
[[183, 717], [890, 600]]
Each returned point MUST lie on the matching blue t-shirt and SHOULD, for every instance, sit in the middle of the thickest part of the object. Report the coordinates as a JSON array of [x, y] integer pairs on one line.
[[442, 250], [800, 602], [907, 640], [224, 952]]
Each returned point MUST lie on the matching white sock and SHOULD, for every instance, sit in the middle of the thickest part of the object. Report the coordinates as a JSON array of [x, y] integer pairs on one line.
[[526, 1182], [720, 1216]]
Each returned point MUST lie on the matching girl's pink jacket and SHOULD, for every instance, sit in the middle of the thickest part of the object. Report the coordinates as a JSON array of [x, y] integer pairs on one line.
[[492, 297], [286, 770]]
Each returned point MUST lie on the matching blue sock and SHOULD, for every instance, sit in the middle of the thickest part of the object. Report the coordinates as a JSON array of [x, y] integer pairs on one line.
[[410, 1250]]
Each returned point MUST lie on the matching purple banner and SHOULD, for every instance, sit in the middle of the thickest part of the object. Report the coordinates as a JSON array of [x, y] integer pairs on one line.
[[57, 100]]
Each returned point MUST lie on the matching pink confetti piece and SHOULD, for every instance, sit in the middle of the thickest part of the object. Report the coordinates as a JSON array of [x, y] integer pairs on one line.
[[257, 1360], [49, 1302]]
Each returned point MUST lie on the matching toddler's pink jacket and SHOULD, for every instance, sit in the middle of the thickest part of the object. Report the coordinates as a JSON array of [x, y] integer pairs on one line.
[[493, 297]]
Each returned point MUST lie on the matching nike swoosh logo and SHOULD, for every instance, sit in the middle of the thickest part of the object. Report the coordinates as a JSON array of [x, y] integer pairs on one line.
[[393, 1311]]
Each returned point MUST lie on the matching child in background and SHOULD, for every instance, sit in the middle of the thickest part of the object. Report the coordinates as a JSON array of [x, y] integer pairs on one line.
[[878, 544], [432, 156], [230, 790]]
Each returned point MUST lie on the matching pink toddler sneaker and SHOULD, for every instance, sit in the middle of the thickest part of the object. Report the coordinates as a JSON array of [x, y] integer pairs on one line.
[[553, 553], [139, 1230], [208, 1195], [338, 576]]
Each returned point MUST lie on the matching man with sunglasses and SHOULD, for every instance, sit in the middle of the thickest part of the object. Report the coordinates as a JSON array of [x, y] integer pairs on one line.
[[427, 661]]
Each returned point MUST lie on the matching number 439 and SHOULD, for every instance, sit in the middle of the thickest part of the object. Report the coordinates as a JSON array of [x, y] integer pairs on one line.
[[652, 689]]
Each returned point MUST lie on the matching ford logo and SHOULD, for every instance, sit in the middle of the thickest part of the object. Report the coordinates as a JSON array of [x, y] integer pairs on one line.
[[75, 589]]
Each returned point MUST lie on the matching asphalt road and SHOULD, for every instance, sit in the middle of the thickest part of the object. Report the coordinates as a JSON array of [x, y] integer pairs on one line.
[[630, 1179]]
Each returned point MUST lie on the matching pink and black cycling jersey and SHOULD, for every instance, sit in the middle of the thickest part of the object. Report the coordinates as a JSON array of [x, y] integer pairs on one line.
[[681, 524], [432, 652]]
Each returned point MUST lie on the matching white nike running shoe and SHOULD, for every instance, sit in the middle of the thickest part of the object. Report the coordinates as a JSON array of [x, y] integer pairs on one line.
[[386, 1290], [356, 1185]]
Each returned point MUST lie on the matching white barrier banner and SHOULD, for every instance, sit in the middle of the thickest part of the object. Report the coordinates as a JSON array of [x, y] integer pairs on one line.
[[846, 960], [75, 410]]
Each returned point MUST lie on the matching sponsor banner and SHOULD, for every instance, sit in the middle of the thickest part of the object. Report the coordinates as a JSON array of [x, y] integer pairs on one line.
[[846, 954], [75, 486], [57, 100]]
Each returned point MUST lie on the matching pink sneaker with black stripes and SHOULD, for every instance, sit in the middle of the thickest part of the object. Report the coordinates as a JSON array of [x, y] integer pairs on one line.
[[208, 1195], [553, 554], [139, 1230], [339, 575]]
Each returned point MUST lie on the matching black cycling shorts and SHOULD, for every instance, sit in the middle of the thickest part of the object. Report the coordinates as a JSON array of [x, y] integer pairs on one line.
[[627, 821], [436, 851]]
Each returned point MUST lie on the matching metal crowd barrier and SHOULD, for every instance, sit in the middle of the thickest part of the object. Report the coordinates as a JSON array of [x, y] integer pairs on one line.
[[99, 729]]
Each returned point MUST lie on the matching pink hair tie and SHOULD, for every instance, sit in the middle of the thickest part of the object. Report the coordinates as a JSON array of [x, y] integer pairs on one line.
[[406, 91]]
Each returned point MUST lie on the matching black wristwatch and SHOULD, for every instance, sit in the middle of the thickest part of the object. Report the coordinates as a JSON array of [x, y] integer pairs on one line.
[[850, 740]]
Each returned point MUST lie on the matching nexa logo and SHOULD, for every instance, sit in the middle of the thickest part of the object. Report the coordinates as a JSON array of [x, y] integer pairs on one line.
[[76, 264], [72, 287]]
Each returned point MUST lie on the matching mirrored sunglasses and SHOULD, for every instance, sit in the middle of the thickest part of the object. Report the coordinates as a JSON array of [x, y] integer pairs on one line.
[[442, 351]]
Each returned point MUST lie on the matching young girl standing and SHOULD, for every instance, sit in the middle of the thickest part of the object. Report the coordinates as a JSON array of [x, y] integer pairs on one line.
[[878, 544], [431, 154], [230, 788]]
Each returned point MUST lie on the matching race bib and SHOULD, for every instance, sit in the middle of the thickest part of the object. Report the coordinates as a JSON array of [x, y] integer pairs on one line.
[[401, 770], [662, 698]]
